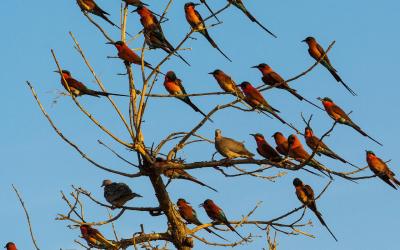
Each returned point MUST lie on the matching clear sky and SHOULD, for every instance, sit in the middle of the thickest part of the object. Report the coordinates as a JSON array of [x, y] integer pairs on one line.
[[363, 216]]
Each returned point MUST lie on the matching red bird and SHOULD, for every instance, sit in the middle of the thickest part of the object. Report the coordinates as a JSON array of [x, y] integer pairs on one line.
[[257, 101], [381, 170], [11, 246], [128, 55], [217, 215], [306, 195], [190, 215], [338, 115], [95, 239], [91, 7], [265, 150], [77, 88], [197, 23], [227, 83], [281, 143]]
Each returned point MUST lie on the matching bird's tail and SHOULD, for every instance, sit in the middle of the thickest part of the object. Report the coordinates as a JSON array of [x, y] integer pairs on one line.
[[101, 13], [273, 111], [359, 130], [294, 92], [191, 178], [169, 49], [337, 77], [233, 229], [194, 107], [92, 92], [212, 232], [319, 216], [211, 41]]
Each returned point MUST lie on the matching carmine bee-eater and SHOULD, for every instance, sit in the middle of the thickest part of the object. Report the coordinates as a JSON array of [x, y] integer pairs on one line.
[[271, 78], [197, 23], [239, 4], [95, 239], [257, 101], [128, 55], [316, 51], [297, 152], [136, 3], [306, 195], [11, 246], [282, 145], [174, 86], [77, 88], [230, 148], [91, 7], [266, 150], [217, 215], [117, 194], [381, 170], [338, 115], [190, 216], [227, 83], [211, 11], [153, 33], [177, 173]]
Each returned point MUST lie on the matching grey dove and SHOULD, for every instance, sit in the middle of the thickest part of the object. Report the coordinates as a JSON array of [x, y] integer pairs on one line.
[[117, 194], [230, 148]]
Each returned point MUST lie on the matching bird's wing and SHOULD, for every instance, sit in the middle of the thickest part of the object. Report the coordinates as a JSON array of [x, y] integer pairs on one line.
[[309, 192], [336, 109], [233, 145], [72, 83], [276, 77], [179, 83], [322, 51]]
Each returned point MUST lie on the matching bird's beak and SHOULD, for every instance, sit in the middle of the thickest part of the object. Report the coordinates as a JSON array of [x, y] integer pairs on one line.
[[253, 135], [110, 43], [137, 195], [303, 41], [254, 67], [57, 71], [211, 73], [319, 98], [201, 205], [102, 185], [134, 10], [196, 4]]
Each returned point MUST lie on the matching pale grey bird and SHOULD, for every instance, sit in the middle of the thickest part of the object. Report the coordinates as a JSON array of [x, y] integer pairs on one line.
[[117, 194], [230, 148]]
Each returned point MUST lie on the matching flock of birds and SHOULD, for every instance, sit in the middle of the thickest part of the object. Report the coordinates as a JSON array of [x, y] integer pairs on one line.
[[117, 194]]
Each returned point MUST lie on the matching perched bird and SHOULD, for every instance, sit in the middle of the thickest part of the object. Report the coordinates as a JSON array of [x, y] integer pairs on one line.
[[136, 3], [176, 173], [95, 239], [257, 101], [174, 86], [91, 7], [77, 88], [190, 215], [217, 215], [265, 150], [381, 170], [153, 33], [320, 147], [281, 143], [239, 4], [338, 115], [316, 51], [128, 55], [271, 78], [297, 152], [117, 194], [227, 83], [211, 11], [306, 195], [197, 23], [230, 148], [11, 246]]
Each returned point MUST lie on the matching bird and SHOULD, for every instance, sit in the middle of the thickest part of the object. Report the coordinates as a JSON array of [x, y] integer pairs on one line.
[[227, 83], [297, 152], [257, 101], [128, 55], [95, 239], [117, 194], [178, 173], [190, 216], [381, 170], [306, 196], [230, 148], [76, 88], [211, 11], [91, 7], [266, 150], [271, 78], [174, 86], [197, 23], [319, 146], [239, 4], [217, 215], [135, 3], [316, 51], [281, 143], [11, 246], [153, 33], [338, 115]]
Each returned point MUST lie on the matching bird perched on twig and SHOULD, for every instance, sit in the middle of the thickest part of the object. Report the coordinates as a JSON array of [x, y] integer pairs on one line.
[[77, 88], [95, 239], [11, 246], [91, 7], [230, 148], [266, 150], [317, 52], [128, 55], [227, 83], [282, 145], [381, 170], [117, 194], [306, 195], [136, 3]]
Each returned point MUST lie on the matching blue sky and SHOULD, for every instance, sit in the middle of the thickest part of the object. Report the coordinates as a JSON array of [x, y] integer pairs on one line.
[[363, 216]]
